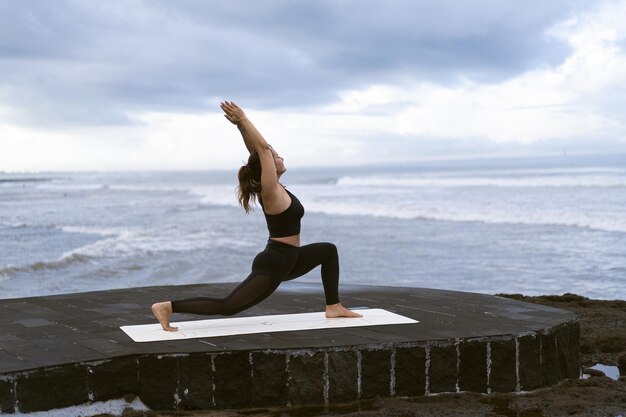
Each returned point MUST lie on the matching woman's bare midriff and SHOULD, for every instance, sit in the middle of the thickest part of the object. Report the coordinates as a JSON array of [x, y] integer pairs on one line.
[[290, 240]]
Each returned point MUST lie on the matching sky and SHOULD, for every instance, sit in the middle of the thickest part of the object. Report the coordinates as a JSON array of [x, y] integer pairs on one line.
[[136, 85]]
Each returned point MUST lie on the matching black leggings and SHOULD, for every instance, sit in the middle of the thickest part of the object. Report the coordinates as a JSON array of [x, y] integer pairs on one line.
[[277, 263]]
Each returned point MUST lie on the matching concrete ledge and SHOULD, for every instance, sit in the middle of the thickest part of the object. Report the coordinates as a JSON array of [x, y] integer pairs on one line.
[[464, 342]]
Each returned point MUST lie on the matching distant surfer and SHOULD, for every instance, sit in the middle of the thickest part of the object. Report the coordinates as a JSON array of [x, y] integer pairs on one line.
[[283, 258]]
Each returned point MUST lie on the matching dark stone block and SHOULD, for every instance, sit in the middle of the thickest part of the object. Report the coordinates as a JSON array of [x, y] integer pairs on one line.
[[375, 373], [6, 397], [46, 389], [473, 366], [232, 379], [502, 377], [195, 382], [562, 351], [269, 379], [306, 378], [343, 377], [113, 379], [158, 379], [529, 362], [410, 371], [442, 373], [574, 350], [549, 365]]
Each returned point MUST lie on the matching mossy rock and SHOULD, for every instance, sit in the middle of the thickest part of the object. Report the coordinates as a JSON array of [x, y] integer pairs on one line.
[[612, 344]]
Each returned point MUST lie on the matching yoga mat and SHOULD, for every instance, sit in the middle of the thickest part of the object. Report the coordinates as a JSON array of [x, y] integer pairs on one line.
[[261, 324]]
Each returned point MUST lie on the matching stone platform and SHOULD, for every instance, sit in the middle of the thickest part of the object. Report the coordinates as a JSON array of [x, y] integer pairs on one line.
[[64, 350]]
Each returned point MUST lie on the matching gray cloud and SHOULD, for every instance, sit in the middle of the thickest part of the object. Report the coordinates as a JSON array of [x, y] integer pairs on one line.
[[91, 62]]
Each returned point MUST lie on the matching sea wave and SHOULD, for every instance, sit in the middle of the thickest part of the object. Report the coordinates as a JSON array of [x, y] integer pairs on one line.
[[138, 242], [148, 187], [72, 187], [129, 243], [62, 262], [87, 230], [469, 181], [222, 195], [23, 179], [504, 215], [13, 225]]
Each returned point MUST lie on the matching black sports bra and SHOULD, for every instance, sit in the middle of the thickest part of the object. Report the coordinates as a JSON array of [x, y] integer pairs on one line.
[[286, 223]]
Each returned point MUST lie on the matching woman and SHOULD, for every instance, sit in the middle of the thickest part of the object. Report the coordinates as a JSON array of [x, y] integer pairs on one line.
[[283, 258]]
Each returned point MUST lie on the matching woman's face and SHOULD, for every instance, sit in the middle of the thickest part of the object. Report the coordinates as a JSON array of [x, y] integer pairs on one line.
[[279, 162]]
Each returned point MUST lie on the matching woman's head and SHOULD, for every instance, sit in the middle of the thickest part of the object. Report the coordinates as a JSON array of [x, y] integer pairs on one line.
[[249, 181], [279, 162]]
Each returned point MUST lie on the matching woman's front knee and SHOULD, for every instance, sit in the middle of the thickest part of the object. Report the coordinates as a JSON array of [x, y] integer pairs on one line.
[[331, 248]]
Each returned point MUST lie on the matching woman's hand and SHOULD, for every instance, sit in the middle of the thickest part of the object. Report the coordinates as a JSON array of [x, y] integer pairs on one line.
[[251, 137], [233, 113]]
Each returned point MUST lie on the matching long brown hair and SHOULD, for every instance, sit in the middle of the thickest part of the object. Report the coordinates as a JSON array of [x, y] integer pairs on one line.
[[249, 181]]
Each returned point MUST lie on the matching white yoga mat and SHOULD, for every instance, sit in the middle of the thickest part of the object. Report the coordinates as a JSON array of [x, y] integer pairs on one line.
[[261, 324]]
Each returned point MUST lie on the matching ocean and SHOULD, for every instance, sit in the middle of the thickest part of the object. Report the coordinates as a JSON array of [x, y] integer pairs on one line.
[[542, 225]]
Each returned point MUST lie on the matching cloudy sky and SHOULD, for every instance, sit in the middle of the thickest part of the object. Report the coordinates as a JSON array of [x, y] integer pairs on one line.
[[130, 85]]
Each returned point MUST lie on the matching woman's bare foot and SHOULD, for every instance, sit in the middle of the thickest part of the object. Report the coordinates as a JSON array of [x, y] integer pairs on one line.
[[163, 311], [337, 310]]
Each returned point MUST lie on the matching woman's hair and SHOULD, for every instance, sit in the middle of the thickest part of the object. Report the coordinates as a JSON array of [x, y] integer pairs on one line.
[[249, 181]]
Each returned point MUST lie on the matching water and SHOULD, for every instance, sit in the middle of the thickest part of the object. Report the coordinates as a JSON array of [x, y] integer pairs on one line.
[[533, 226], [609, 370], [111, 407]]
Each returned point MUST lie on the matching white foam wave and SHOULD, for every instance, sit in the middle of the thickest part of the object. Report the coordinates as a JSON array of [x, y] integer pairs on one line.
[[63, 261], [533, 171], [525, 181], [223, 195], [121, 242], [138, 242], [68, 258], [72, 187], [14, 225], [147, 187], [219, 194], [90, 230], [439, 204], [508, 214]]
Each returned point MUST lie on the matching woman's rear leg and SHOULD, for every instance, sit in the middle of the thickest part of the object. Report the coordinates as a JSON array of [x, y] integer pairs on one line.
[[250, 292]]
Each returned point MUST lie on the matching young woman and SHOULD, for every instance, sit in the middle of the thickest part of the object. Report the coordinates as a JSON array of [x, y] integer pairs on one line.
[[283, 258]]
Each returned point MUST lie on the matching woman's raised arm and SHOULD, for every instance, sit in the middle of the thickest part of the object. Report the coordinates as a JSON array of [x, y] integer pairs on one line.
[[251, 137], [254, 142]]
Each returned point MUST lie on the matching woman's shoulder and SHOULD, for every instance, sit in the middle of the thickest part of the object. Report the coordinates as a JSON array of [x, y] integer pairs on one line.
[[277, 200]]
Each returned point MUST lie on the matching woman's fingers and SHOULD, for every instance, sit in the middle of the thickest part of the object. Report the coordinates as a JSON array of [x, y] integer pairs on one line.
[[229, 105], [233, 113], [230, 111]]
